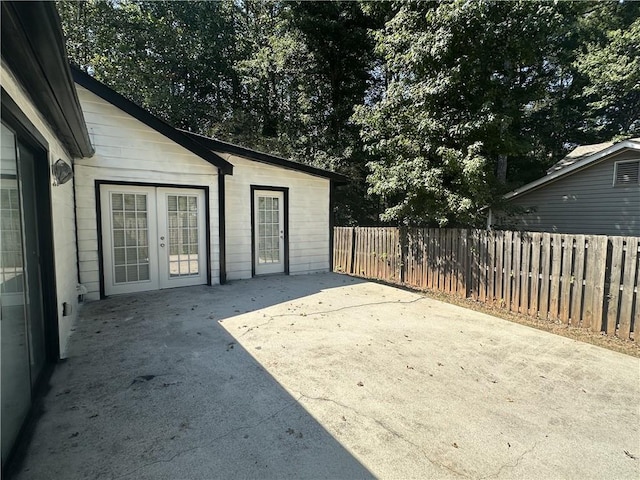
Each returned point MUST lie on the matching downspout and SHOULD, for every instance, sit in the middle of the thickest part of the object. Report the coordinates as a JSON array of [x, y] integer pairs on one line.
[[75, 222], [222, 227]]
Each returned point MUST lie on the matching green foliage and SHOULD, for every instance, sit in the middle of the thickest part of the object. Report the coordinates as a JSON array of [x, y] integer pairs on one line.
[[480, 97], [611, 62], [281, 77], [174, 58], [432, 109]]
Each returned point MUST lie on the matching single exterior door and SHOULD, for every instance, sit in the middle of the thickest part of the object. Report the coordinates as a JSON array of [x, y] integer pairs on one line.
[[152, 238], [269, 232]]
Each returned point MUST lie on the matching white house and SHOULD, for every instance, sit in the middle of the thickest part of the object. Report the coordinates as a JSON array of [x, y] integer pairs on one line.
[[98, 197], [158, 207]]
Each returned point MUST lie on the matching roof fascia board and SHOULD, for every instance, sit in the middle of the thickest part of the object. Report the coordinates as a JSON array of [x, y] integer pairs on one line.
[[33, 47], [579, 165], [146, 117], [230, 148]]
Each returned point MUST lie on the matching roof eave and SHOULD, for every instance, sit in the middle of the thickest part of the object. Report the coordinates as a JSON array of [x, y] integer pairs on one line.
[[218, 145], [109, 95], [570, 169], [33, 47]]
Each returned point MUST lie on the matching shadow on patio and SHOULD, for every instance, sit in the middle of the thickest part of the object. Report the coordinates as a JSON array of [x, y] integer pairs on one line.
[[156, 388]]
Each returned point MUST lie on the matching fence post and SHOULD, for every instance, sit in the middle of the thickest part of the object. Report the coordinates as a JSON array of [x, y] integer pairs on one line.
[[466, 250], [353, 251], [402, 242]]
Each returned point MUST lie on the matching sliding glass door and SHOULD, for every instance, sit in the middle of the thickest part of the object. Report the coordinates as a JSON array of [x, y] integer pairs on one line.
[[22, 334]]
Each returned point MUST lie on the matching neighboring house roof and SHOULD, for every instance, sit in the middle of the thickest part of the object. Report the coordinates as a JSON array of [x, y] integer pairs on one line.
[[146, 117], [579, 153], [220, 146], [33, 47], [578, 159]]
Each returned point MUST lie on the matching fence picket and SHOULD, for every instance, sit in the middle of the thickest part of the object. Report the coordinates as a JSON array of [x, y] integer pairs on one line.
[[553, 276], [628, 283], [613, 299], [517, 273], [508, 269], [556, 265], [565, 277], [536, 239], [524, 279], [578, 281], [500, 268], [599, 274], [492, 245]]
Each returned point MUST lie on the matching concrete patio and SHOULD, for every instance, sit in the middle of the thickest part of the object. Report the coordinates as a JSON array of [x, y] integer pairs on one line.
[[326, 376]]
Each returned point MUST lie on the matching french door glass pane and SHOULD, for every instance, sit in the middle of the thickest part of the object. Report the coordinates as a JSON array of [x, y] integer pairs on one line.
[[14, 361], [268, 230], [130, 232], [183, 234]]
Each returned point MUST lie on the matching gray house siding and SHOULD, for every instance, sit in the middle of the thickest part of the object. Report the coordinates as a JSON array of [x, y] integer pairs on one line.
[[583, 202]]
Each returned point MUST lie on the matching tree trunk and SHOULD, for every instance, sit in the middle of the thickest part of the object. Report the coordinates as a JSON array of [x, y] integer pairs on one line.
[[501, 171]]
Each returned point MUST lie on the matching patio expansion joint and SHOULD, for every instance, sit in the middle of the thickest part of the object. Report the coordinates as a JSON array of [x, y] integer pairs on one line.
[[323, 312], [389, 430], [210, 443]]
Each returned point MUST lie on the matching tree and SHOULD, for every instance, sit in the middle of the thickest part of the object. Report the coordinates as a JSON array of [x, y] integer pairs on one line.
[[280, 77], [468, 86], [174, 58], [610, 59]]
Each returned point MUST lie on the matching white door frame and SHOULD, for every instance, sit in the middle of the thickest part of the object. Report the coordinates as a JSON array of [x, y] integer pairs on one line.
[[282, 266], [156, 199]]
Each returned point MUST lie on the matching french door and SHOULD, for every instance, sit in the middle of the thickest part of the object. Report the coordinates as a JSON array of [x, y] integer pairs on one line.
[[269, 234], [153, 237]]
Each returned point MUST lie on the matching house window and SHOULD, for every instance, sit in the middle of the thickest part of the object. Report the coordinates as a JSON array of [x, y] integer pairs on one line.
[[627, 173]]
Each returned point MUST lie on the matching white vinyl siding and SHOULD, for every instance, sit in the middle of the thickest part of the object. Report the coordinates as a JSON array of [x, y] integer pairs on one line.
[[64, 237], [585, 202], [308, 216], [130, 151]]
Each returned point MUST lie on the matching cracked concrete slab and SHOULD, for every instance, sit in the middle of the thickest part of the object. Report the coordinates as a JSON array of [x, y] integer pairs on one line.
[[326, 376]]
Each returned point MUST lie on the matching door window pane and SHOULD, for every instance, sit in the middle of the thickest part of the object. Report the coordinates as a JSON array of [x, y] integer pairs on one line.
[[268, 230], [183, 233], [130, 231]]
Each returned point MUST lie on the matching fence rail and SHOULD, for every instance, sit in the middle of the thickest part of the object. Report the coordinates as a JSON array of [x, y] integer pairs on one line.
[[588, 281]]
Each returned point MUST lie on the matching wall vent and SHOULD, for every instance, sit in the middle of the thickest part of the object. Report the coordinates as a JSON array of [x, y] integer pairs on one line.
[[627, 173]]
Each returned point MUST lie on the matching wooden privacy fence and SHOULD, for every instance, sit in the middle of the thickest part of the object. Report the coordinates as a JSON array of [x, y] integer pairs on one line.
[[588, 281]]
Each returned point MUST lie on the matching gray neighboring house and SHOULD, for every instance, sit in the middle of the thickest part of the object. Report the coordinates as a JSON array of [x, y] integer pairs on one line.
[[593, 190]]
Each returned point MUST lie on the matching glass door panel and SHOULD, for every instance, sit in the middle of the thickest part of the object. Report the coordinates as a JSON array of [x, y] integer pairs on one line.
[[182, 230], [130, 237], [129, 231], [182, 235], [35, 314], [15, 362], [269, 232]]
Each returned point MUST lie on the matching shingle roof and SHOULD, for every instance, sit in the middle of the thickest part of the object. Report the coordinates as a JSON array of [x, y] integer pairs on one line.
[[219, 146], [581, 152], [578, 159]]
